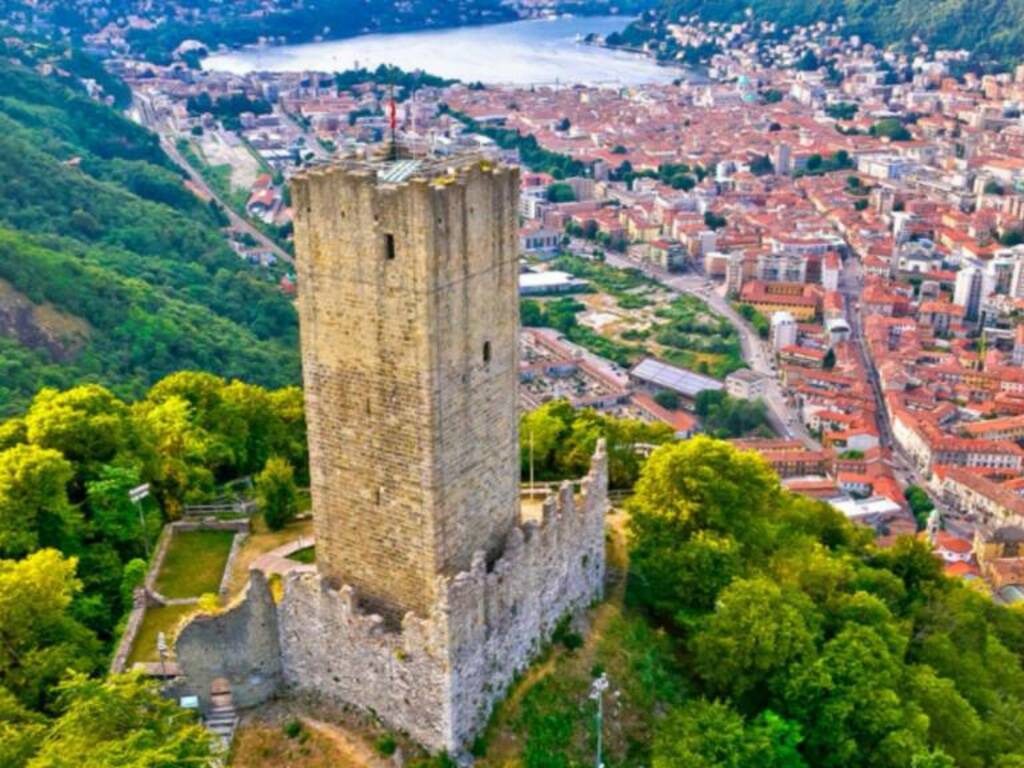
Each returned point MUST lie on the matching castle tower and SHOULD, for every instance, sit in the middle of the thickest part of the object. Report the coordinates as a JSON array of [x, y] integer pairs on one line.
[[409, 312], [431, 591]]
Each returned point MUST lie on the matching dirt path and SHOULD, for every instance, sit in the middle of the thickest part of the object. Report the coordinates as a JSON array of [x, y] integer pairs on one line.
[[358, 754]]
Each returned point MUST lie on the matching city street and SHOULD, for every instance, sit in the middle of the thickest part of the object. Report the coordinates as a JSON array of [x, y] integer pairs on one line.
[[145, 115], [785, 420]]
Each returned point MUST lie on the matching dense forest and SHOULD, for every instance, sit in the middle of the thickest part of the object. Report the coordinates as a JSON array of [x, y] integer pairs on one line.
[[761, 629], [991, 28], [111, 271], [805, 645], [72, 547]]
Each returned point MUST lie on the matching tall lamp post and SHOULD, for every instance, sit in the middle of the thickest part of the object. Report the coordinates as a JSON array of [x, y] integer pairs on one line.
[[597, 694]]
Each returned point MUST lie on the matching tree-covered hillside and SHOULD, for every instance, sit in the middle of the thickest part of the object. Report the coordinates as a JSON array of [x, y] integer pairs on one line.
[[72, 546], [991, 28], [110, 269], [762, 629]]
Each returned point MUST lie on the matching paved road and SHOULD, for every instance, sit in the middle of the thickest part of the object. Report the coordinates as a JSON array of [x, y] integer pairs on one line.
[[851, 283], [311, 143], [144, 114], [784, 419]]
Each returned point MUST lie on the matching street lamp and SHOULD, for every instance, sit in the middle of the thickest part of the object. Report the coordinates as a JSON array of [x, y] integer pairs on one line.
[[597, 694]]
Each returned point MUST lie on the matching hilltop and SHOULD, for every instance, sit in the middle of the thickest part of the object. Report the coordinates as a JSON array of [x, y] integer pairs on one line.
[[992, 29], [111, 270]]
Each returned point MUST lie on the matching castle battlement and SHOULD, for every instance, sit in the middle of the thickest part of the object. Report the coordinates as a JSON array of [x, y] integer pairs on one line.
[[435, 677], [430, 592]]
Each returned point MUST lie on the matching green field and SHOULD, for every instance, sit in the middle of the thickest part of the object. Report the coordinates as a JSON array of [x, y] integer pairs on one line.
[[159, 618], [194, 564]]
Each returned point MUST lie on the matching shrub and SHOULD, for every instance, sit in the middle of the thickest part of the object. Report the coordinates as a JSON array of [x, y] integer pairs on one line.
[[275, 493], [386, 745]]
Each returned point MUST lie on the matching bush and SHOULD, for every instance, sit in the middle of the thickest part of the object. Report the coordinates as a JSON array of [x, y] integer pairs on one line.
[[292, 729], [275, 493], [386, 745], [667, 399], [566, 636]]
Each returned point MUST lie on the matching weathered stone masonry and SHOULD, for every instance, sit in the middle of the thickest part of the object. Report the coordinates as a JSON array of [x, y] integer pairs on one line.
[[430, 593], [409, 317], [439, 677]]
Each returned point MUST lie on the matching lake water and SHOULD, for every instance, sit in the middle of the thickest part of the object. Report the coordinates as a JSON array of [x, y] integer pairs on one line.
[[519, 53]]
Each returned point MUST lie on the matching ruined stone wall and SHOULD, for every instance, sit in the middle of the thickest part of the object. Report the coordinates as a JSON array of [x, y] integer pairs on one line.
[[409, 314], [241, 645], [499, 620], [439, 677]]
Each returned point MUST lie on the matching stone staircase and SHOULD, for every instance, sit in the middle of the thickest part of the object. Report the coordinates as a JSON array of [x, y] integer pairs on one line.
[[222, 721]]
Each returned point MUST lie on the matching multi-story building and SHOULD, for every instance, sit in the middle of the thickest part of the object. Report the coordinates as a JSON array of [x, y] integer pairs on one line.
[[783, 330], [973, 286]]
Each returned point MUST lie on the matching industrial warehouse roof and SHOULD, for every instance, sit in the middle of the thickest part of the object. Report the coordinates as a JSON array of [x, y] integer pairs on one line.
[[539, 282], [680, 380]]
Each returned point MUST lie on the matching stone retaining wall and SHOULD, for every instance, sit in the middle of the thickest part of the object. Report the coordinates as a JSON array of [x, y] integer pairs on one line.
[[147, 595], [131, 630]]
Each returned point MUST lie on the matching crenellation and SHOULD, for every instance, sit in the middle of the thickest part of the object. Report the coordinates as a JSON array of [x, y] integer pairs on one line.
[[430, 593]]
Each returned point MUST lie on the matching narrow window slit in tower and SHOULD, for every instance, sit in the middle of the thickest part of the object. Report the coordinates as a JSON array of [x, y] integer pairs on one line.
[[389, 246], [487, 352]]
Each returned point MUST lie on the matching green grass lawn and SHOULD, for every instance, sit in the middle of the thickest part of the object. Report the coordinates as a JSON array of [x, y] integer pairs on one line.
[[305, 555], [194, 564], [163, 618]]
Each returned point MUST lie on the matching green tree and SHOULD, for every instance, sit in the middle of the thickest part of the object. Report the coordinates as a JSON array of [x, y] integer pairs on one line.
[[761, 166], [713, 220], [34, 508], [844, 726], [560, 192], [114, 517], [703, 734], [21, 731], [706, 484], [829, 361], [39, 641], [756, 633], [122, 721], [133, 576], [842, 110], [275, 493], [698, 506], [542, 432], [891, 128], [177, 453], [88, 424], [12, 432], [1012, 237], [667, 399], [683, 181], [920, 504]]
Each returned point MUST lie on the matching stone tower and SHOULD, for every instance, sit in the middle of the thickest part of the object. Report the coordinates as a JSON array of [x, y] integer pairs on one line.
[[431, 589], [409, 313]]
